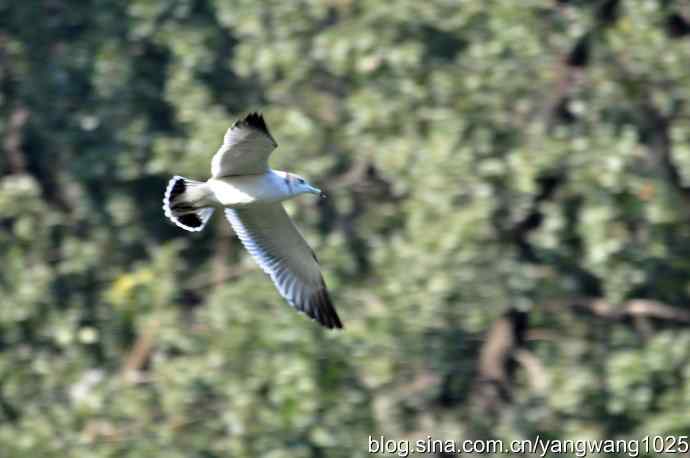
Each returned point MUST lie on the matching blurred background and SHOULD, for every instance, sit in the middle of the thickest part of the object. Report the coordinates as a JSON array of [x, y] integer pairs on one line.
[[507, 235]]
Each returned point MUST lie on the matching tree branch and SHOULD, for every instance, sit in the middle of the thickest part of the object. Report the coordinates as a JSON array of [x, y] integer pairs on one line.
[[631, 309]]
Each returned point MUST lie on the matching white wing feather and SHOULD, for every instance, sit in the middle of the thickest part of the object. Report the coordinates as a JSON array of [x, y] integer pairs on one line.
[[245, 149], [270, 236]]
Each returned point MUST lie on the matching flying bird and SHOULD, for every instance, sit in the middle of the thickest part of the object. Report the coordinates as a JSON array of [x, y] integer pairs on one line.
[[250, 193]]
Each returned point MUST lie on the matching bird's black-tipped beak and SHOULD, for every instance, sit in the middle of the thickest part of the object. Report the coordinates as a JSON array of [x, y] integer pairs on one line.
[[322, 195], [317, 191]]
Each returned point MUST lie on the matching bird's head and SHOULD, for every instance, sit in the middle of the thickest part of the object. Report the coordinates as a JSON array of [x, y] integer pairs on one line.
[[298, 185]]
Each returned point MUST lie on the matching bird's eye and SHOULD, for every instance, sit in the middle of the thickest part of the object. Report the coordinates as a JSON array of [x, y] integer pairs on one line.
[[301, 181]]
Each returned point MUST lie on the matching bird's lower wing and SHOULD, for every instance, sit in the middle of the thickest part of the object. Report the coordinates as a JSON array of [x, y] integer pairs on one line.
[[270, 236]]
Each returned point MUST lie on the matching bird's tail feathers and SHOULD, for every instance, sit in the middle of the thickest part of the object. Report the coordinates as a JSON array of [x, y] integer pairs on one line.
[[183, 203]]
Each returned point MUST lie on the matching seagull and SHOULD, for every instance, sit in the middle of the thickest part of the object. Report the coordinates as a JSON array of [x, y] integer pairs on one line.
[[250, 192]]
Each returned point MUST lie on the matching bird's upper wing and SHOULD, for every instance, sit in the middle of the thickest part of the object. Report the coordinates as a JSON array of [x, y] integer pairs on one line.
[[270, 236], [245, 149]]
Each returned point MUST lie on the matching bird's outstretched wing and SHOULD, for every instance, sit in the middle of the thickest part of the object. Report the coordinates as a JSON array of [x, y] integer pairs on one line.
[[245, 149], [270, 236]]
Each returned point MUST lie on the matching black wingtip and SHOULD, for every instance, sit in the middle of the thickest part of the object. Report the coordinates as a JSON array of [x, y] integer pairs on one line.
[[255, 120], [321, 309]]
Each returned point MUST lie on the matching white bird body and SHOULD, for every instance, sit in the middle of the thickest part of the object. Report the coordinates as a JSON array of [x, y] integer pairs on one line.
[[241, 191], [251, 193]]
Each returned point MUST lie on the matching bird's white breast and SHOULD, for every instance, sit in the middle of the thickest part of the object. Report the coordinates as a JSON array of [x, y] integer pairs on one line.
[[240, 191]]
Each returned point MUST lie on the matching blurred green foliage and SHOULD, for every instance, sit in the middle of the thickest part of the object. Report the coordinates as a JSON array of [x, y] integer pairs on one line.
[[487, 162]]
